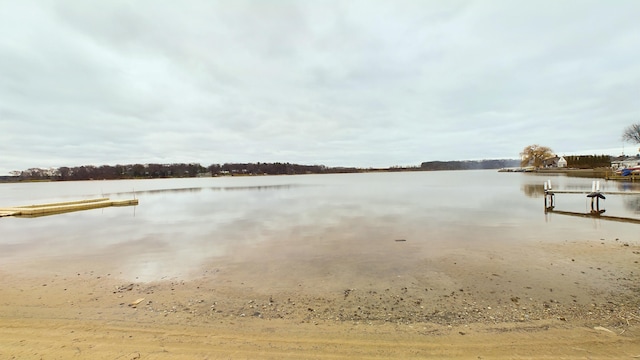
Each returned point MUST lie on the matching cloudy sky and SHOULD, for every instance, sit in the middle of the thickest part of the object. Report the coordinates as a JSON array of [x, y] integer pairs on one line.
[[339, 83]]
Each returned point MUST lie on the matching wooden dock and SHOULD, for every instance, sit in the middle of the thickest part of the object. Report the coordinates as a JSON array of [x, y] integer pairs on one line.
[[595, 194], [632, 177], [63, 207]]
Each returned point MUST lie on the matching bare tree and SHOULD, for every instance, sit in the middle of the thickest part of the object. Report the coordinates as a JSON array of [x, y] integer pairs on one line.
[[534, 155], [632, 133]]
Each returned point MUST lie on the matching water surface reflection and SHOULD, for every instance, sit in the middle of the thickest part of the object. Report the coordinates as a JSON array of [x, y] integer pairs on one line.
[[182, 224], [213, 188]]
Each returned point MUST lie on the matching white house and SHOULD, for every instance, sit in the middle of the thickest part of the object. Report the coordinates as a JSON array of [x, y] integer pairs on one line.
[[562, 162]]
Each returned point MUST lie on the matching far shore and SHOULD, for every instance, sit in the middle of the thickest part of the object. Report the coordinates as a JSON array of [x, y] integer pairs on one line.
[[597, 172], [603, 173]]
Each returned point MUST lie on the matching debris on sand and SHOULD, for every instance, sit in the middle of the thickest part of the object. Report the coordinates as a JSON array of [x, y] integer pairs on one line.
[[603, 329], [123, 288], [136, 302]]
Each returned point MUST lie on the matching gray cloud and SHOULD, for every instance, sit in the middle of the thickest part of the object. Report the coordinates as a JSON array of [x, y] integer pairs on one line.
[[362, 83]]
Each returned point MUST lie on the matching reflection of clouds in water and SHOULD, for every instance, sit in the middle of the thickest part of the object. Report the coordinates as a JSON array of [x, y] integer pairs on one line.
[[195, 227], [151, 270], [171, 264], [212, 188], [632, 203], [182, 224]]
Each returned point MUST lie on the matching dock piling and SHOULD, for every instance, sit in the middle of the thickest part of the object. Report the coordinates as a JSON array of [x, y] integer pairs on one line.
[[549, 197]]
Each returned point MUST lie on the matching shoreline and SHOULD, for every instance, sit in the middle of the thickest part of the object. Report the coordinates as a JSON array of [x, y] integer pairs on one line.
[[570, 299]]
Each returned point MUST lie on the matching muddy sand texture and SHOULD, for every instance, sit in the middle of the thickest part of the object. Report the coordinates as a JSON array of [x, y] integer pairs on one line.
[[571, 300]]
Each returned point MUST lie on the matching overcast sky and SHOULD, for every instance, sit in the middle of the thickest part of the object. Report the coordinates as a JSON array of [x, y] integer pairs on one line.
[[339, 83]]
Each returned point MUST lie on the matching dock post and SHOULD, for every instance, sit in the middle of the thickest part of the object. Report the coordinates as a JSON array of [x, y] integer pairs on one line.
[[549, 197], [593, 192], [595, 196]]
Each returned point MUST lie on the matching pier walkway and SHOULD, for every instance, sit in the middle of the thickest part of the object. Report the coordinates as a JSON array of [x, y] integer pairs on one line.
[[63, 207]]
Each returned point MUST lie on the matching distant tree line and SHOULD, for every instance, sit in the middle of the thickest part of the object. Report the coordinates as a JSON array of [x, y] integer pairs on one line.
[[178, 170], [588, 161], [108, 172], [469, 164], [269, 169], [153, 171]]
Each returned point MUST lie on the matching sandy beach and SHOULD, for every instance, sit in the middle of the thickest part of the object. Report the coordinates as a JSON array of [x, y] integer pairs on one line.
[[571, 300], [304, 179]]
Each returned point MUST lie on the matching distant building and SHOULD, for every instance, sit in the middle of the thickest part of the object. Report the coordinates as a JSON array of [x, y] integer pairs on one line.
[[562, 162], [552, 162], [623, 162]]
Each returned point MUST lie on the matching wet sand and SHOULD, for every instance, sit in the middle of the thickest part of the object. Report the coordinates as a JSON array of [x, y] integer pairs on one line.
[[578, 299]]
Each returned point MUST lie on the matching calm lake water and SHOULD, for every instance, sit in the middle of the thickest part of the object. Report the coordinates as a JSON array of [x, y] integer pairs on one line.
[[182, 224]]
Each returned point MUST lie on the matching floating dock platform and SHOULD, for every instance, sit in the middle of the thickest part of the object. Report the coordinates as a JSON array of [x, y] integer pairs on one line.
[[63, 207]]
